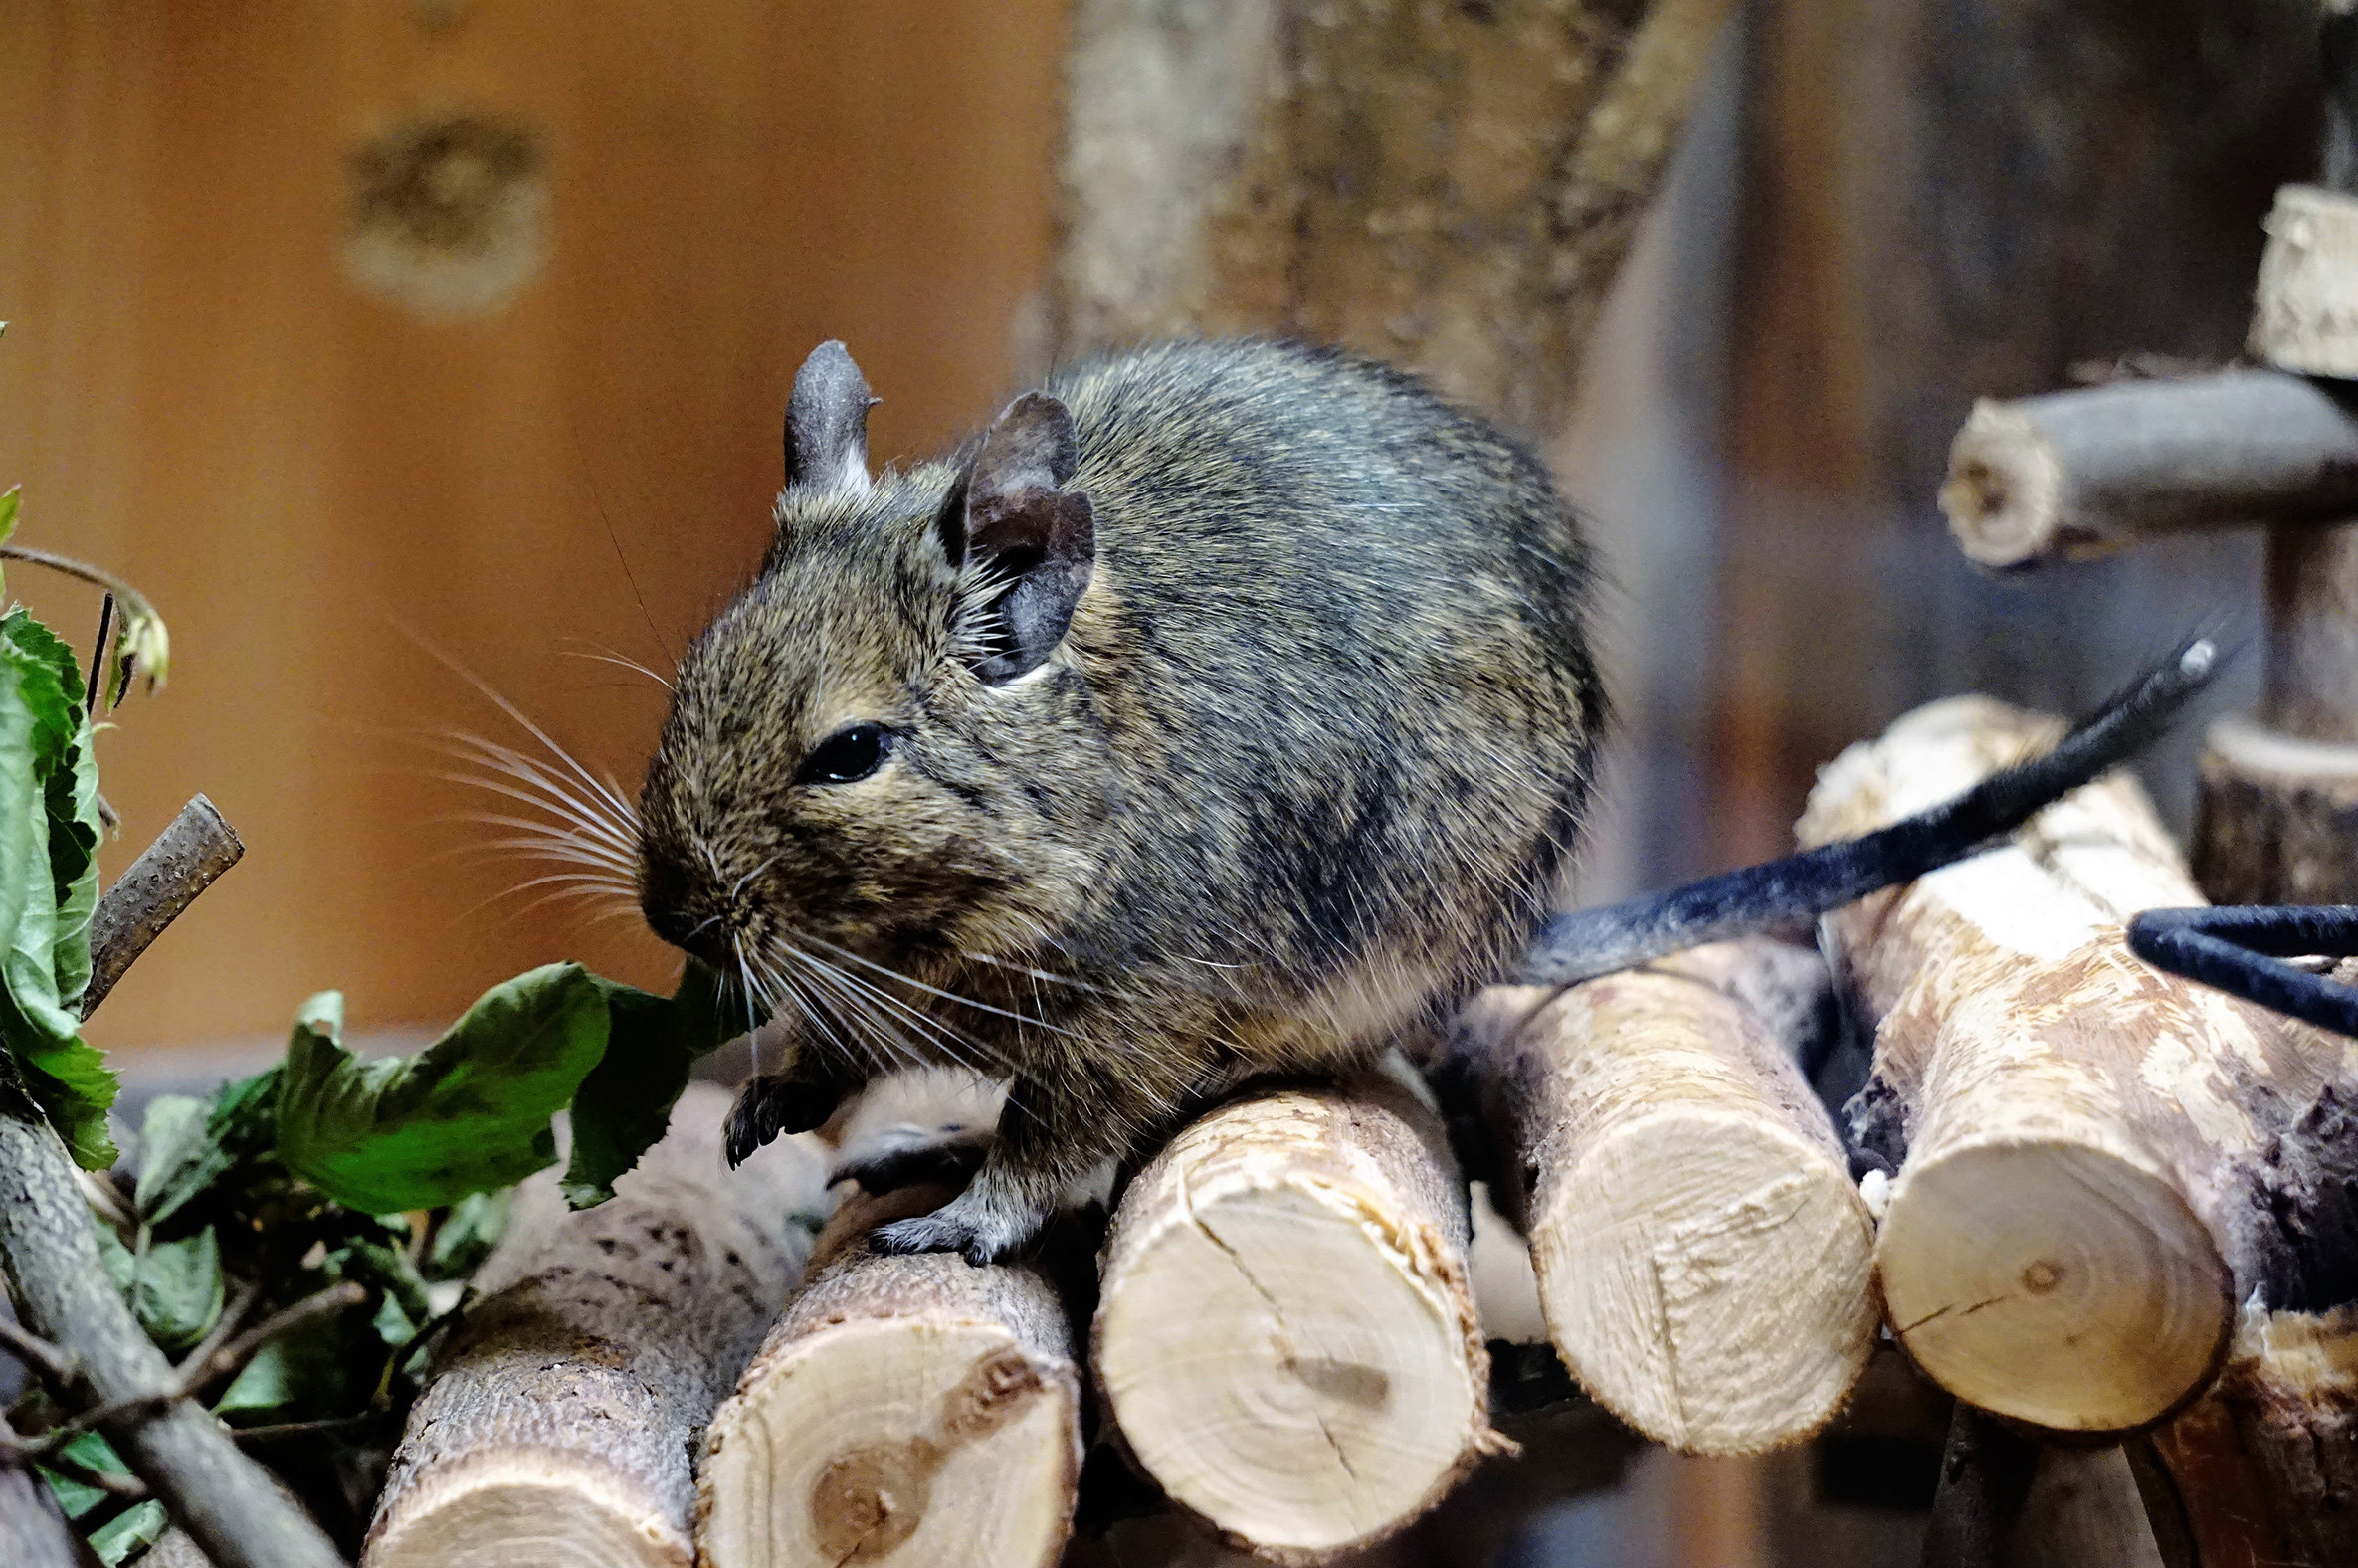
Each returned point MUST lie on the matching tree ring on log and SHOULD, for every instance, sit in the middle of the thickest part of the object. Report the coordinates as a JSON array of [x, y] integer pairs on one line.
[[860, 1429], [2003, 494], [2104, 1324], [1286, 1337], [1793, 1328], [519, 1507]]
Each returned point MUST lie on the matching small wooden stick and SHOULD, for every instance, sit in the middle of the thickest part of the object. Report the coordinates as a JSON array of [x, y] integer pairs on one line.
[[560, 1423], [2071, 474], [194, 849], [1285, 1336], [1704, 1261], [905, 1411]]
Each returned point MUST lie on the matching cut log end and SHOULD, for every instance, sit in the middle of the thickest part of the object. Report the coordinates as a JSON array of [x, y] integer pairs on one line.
[[2302, 319], [2053, 1283], [1711, 1281], [905, 1411], [895, 1441], [521, 1508], [2004, 493], [1286, 1339]]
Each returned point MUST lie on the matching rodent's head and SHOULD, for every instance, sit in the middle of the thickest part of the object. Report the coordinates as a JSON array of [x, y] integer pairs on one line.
[[855, 746]]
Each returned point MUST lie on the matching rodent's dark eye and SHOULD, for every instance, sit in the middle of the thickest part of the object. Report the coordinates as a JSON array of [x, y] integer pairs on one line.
[[847, 756]]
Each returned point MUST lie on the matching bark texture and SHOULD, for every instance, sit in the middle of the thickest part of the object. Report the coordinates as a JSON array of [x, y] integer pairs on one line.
[[224, 1500], [1285, 1336], [2094, 1150], [1445, 187], [2080, 474], [2278, 818], [194, 849], [1704, 1258], [560, 1427], [904, 1410]]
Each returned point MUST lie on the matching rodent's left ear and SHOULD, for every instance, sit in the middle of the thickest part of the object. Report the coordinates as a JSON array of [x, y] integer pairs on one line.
[[827, 423], [1021, 525]]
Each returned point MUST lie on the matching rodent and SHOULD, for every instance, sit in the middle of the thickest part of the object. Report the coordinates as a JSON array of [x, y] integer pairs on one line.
[[1225, 708]]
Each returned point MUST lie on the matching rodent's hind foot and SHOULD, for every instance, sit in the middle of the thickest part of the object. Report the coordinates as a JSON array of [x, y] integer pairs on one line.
[[979, 1231], [773, 1104]]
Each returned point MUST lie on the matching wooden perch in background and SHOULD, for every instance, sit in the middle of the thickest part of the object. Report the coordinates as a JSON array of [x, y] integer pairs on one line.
[[1284, 1335], [2087, 1142], [905, 1411], [560, 1423], [1704, 1261], [2071, 474]]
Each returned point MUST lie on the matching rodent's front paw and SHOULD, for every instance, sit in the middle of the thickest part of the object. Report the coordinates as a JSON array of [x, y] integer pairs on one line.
[[977, 1232], [775, 1104]]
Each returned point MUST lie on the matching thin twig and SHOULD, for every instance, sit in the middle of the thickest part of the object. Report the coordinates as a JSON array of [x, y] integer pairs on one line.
[[233, 1319], [99, 660], [114, 1484], [193, 1376], [296, 1429], [196, 1376], [57, 1368], [185, 858]]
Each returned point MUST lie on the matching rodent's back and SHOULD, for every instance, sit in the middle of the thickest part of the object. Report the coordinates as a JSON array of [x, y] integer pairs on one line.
[[1337, 636]]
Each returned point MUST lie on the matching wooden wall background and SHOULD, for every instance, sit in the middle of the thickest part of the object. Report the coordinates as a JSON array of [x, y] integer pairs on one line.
[[192, 392]]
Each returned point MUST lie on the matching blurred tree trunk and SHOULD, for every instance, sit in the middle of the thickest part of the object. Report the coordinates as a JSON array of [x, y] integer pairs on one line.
[[1450, 187]]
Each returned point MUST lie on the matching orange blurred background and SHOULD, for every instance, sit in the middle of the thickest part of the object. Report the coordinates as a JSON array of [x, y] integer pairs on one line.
[[195, 393]]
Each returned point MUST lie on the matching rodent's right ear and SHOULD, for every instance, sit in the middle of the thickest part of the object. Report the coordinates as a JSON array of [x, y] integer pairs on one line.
[[827, 423]]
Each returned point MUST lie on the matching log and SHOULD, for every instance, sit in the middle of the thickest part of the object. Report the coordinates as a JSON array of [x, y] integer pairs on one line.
[[559, 1426], [182, 1452], [2277, 820], [1286, 1338], [1705, 1264], [904, 1410], [2264, 1471], [2301, 319], [2080, 474], [2085, 1180], [1451, 188]]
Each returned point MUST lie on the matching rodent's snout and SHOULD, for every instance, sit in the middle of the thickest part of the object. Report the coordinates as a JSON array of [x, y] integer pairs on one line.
[[683, 912]]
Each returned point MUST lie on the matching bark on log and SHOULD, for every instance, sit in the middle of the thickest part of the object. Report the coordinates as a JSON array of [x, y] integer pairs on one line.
[[560, 1427], [1704, 1258], [2277, 819], [2091, 1148], [2006, 1501], [2072, 475], [905, 1411], [2265, 1469], [194, 849], [1446, 187], [184, 1454], [1285, 1336]]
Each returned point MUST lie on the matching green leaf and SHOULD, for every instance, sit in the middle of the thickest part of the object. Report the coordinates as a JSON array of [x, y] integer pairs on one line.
[[10, 500], [386, 1269], [305, 1371], [192, 1148], [134, 1530], [469, 1232], [468, 1113], [176, 1290], [625, 1105], [75, 1499], [49, 884]]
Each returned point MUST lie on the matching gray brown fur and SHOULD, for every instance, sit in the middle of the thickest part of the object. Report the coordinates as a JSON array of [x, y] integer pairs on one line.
[[1304, 766]]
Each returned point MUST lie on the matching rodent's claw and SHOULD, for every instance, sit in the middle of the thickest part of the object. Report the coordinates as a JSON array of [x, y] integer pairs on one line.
[[774, 1103]]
